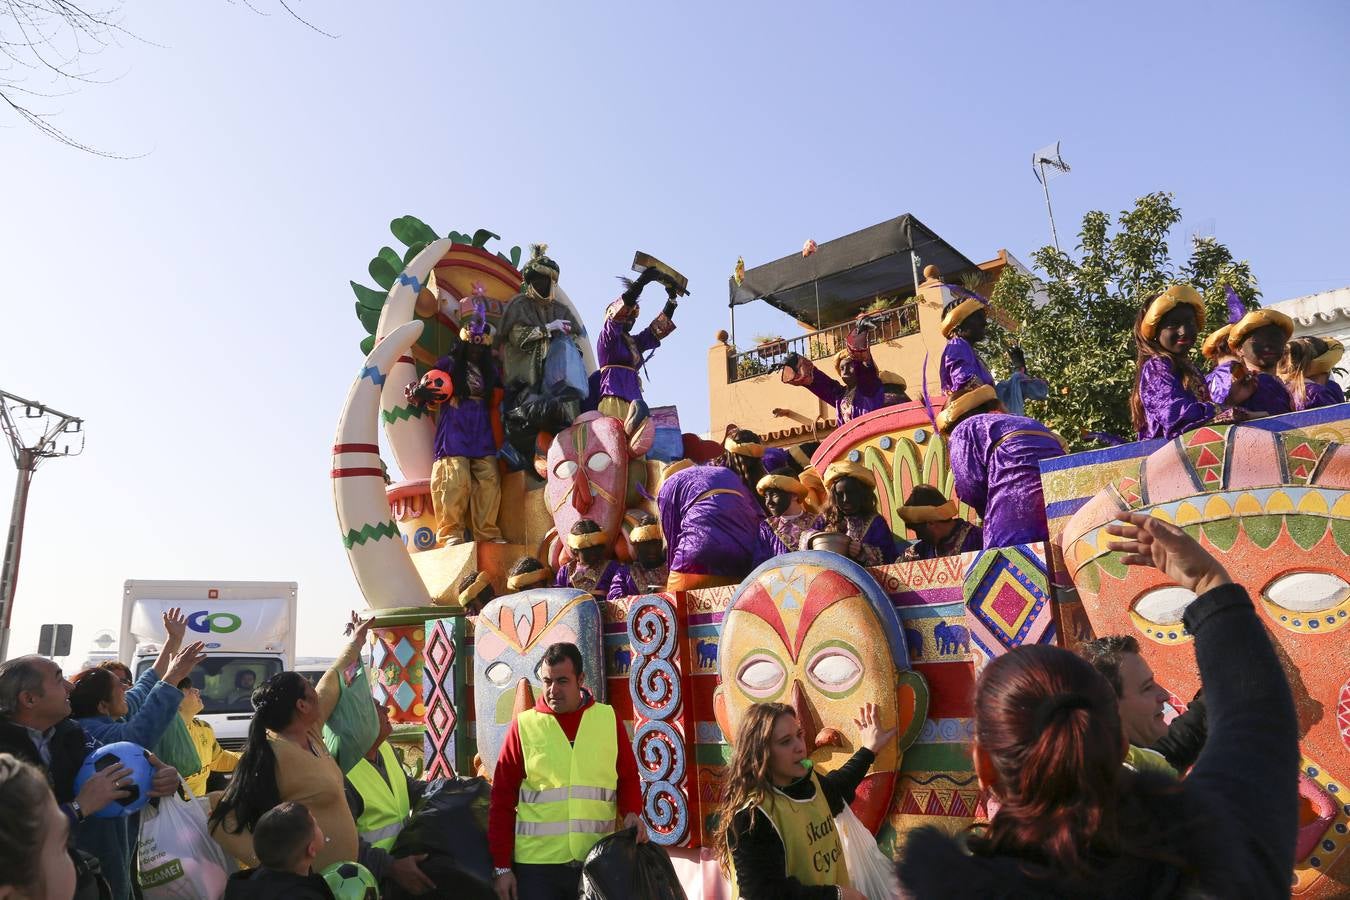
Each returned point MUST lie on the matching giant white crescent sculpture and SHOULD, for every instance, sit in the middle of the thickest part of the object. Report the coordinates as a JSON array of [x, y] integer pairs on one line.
[[375, 549]]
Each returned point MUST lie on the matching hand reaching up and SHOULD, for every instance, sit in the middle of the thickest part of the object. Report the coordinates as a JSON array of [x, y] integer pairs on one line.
[[184, 661], [175, 626], [869, 729], [1165, 547], [358, 628]]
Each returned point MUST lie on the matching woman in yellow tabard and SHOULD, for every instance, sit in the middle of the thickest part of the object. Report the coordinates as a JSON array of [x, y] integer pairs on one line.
[[775, 834], [285, 759]]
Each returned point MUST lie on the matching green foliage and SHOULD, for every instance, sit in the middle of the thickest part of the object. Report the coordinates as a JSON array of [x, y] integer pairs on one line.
[[388, 263], [1079, 334]]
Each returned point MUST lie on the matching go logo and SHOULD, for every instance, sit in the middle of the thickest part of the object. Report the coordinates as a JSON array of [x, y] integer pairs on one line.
[[214, 623]]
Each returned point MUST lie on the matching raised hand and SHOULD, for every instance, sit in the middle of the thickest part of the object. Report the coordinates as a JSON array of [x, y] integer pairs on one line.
[[184, 661], [175, 626], [358, 628], [1165, 547], [869, 729]]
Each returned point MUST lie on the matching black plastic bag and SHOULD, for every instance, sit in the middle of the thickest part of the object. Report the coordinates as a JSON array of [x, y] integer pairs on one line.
[[619, 868], [450, 826]]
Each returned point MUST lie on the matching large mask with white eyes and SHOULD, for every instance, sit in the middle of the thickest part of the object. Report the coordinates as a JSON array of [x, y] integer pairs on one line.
[[510, 636], [588, 475], [1275, 510], [813, 630]]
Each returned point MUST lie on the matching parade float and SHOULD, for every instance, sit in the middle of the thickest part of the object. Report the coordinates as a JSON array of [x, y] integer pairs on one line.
[[811, 628]]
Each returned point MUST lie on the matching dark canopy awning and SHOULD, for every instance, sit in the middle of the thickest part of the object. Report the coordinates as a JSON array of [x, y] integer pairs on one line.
[[845, 274]]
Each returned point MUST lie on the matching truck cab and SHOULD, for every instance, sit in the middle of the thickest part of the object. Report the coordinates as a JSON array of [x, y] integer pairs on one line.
[[248, 628]]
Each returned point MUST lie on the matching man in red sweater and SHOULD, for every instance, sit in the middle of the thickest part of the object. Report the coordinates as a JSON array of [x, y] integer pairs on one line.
[[581, 775]]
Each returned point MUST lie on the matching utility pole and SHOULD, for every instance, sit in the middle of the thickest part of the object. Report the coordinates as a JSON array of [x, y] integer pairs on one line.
[[33, 431]]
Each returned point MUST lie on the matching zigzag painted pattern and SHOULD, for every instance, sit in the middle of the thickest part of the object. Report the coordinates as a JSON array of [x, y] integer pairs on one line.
[[374, 375], [370, 533], [403, 412], [405, 278]]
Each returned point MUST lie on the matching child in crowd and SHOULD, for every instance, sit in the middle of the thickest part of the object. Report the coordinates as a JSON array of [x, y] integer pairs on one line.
[[525, 573], [475, 592], [1258, 340], [591, 568], [782, 493], [286, 841], [1170, 395], [852, 512], [940, 532], [214, 758], [1296, 370], [465, 483], [648, 571], [995, 458]]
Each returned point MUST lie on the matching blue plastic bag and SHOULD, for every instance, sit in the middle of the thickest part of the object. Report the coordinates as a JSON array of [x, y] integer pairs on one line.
[[563, 367]]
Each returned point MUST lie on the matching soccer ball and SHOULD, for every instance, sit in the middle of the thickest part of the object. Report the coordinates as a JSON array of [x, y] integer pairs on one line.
[[134, 757], [437, 386], [351, 881]]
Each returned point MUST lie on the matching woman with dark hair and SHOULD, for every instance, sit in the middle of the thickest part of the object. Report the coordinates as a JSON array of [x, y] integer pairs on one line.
[[1073, 821], [98, 701], [775, 835], [1170, 395], [743, 453], [851, 513], [34, 862], [1297, 373], [1258, 342], [285, 759]]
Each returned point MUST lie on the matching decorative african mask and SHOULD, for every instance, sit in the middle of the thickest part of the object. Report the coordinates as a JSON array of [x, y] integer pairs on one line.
[[815, 631], [1274, 509], [510, 637]]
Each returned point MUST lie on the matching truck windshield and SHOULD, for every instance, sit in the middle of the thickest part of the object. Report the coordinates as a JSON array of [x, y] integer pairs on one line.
[[227, 682]]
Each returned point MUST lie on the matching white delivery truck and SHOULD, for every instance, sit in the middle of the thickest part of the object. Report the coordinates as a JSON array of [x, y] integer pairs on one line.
[[248, 628]]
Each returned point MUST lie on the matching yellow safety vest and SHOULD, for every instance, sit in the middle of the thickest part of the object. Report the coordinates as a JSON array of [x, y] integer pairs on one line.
[[387, 806], [812, 852], [569, 797]]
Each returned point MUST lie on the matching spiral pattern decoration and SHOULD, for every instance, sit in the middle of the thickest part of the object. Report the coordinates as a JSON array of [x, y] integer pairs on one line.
[[654, 684]]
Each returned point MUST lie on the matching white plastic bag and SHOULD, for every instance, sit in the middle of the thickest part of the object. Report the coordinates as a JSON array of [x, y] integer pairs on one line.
[[178, 858], [870, 872]]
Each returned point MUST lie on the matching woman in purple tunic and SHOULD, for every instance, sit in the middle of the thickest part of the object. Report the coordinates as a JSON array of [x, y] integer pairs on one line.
[[1296, 369], [964, 323], [862, 390], [1320, 370], [782, 493], [852, 511], [619, 352], [1170, 395], [1259, 340], [591, 568], [995, 459], [743, 454], [940, 531], [715, 533]]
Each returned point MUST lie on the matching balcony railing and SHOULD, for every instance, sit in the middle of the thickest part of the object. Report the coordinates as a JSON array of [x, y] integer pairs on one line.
[[892, 324]]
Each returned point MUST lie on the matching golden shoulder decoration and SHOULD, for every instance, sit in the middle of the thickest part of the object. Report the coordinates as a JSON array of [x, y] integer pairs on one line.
[[1167, 301], [956, 409]]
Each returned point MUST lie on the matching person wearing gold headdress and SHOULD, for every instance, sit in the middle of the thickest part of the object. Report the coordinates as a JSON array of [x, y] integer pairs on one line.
[[648, 571], [940, 531], [1259, 340], [783, 493], [851, 512], [591, 568], [995, 459], [1301, 358], [861, 391]]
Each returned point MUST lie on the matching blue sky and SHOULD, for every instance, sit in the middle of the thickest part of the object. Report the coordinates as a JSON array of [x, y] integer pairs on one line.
[[192, 303]]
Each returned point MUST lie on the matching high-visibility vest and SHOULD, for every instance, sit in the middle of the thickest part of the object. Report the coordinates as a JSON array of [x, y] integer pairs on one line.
[[569, 797], [812, 851], [387, 806]]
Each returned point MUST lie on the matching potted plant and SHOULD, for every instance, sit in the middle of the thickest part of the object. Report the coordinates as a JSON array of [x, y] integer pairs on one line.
[[768, 346]]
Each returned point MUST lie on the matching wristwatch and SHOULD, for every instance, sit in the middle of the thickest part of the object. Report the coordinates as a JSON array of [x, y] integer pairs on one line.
[[499, 871], [77, 810]]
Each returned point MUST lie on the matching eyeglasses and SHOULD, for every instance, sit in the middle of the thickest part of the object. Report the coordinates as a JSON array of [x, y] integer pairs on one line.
[[126, 682]]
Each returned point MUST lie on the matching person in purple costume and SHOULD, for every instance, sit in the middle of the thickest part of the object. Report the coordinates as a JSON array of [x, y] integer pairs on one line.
[[619, 352], [648, 571], [591, 567], [1170, 395], [1296, 372], [861, 391], [995, 458], [465, 482], [1259, 340], [940, 531], [851, 512], [715, 533], [964, 324]]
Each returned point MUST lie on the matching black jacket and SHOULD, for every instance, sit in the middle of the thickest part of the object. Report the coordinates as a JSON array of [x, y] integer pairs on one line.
[[1227, 830], [270, 884], [757, 850], [70, 745]]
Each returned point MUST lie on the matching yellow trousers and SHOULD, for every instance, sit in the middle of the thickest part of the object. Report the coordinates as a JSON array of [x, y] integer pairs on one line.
[[462, 487]]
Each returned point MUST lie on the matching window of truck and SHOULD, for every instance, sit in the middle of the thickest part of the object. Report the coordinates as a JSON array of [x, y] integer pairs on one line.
[[227, 682]]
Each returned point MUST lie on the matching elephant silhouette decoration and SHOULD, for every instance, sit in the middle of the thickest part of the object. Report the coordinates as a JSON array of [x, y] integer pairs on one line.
[[623, 661], [914, 642], [950, 638], [707, 654]]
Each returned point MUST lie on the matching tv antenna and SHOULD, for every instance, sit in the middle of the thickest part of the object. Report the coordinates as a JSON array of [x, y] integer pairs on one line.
[[1049, 158], [35, 432]]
